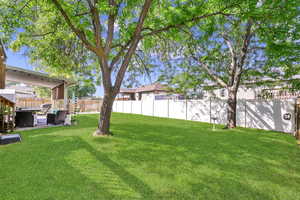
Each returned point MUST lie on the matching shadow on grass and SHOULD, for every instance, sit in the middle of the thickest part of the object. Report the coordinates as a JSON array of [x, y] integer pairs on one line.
[[154, 158], [245, 153], [43, 163]]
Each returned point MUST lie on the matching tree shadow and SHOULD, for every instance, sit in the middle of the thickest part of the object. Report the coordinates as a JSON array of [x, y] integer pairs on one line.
[[38, 170], [245, 152], [132, 181], [222, 164]]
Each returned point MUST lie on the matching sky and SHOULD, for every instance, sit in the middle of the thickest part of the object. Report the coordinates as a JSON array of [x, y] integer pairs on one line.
[[18, 59]]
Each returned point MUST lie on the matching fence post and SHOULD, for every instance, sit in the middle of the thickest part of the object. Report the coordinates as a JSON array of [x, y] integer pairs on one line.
[[141, 107], [209, 109], [131, 106], [153, 107], [186, 109], [168, 108], [245, 113]]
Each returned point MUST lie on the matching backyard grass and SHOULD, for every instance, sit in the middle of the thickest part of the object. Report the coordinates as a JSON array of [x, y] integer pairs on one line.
[[150, 158]]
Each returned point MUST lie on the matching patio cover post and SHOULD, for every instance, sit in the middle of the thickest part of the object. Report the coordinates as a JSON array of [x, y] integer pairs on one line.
[[2, 66], [66, 100]]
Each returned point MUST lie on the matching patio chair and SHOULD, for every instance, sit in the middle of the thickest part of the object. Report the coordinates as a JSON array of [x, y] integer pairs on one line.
[[57, 118], [45, 109]]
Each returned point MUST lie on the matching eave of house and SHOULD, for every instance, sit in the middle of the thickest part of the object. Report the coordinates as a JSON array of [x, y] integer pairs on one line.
[[29, 77]]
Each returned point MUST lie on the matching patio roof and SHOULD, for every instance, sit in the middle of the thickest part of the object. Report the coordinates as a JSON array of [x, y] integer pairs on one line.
[[6, 101], [127, 90], [29, 77]]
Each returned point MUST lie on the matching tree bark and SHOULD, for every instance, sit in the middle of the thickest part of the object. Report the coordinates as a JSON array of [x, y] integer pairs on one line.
[[231, 108], [105, 115]]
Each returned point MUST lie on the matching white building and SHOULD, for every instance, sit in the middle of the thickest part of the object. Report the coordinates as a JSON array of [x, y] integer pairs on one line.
[[22, 90], [154, 91], [253, 91]]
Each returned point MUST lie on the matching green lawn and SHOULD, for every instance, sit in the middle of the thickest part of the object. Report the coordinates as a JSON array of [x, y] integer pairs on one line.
[[150, 158]]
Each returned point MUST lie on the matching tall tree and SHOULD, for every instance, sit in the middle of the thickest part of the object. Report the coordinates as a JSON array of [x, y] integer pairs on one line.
[[260, 42], [111, 30], [225, 62]]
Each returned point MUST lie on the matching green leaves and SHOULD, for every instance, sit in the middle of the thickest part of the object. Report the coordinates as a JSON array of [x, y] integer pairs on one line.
[[39, 26], [273, 51]]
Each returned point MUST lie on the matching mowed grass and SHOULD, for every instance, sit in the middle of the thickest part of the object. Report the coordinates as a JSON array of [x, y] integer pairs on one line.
[[150, 158]]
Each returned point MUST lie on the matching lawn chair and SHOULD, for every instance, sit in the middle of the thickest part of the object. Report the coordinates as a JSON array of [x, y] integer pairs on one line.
[[57, 118], [45, 109]]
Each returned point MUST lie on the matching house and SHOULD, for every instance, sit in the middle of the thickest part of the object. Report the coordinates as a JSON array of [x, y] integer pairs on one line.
[[267, 89], [22, 90], [154, 91]]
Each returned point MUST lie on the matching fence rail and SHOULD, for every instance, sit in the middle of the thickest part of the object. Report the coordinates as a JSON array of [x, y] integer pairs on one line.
[[261, 114]]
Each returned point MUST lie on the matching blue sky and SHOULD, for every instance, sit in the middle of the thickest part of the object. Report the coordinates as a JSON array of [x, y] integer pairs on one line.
[[18, 59]]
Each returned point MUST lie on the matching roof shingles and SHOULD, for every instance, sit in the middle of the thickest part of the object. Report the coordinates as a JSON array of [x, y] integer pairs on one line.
[[145, 88]]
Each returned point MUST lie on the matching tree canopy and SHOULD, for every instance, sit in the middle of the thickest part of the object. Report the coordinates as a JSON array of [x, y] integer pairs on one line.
[[103, 37], [110, 30], [209, 49]]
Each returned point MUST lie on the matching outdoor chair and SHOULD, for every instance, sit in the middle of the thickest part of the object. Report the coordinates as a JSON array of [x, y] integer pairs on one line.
[[45, 108], [57, 118]]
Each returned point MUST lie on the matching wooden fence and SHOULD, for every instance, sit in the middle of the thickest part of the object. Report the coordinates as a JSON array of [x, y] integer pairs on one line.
[[83, 105], [31, 102], [88, 105]]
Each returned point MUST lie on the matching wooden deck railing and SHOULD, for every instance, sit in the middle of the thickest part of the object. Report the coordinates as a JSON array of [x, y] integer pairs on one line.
[[83, 105]]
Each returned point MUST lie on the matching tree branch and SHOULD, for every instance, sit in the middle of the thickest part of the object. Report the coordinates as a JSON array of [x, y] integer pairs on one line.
[[136, 38], [244, 51], [144, 65], [212, 75], [233, 64], [25, 5], [208, 70], [111, 24], [193, 19], [42, 34], [80, 34], [119, 54], [96, 24], [82, 14]]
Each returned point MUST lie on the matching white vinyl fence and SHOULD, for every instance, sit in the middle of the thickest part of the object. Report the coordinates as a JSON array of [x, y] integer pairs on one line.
[[277, 115]]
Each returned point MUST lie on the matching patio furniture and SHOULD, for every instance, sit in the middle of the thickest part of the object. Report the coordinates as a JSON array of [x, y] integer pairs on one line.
[[26, 117], [45, 109], [41, 120], [57, 118], [11, 138]]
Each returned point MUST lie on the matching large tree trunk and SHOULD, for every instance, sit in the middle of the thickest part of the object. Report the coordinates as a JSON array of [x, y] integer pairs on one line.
[[231, 108], [105, 114]]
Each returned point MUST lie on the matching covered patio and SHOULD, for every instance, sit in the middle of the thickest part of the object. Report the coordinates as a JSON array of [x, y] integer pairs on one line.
[[59, 87], [28, 116], [40, 116]]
